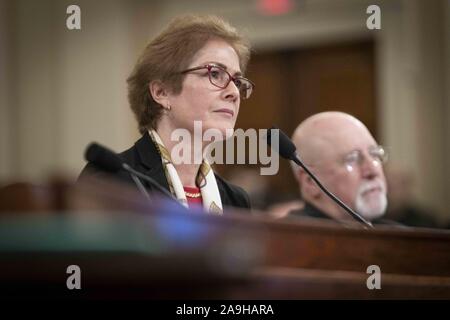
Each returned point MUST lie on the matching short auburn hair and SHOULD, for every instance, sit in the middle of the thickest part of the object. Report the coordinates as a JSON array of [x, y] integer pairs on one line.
[[171, 52]]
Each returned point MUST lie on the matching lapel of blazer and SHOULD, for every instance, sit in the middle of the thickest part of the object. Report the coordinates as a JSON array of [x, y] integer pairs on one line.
[[150, 160], [223, 193]]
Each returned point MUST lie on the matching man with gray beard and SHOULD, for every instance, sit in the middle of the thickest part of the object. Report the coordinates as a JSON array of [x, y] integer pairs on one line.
[[341, 152]]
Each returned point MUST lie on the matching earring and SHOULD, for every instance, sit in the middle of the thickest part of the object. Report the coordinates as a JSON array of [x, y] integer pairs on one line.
[[166, 109]]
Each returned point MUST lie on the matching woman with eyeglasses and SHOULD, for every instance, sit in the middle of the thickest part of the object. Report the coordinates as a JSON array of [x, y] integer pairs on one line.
[[190, 76]]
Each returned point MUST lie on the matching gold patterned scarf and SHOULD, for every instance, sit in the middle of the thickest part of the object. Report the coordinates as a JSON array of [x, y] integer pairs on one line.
[[205, 179]]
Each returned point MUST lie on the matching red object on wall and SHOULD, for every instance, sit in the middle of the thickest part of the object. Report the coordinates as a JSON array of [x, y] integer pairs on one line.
[[275, 7]]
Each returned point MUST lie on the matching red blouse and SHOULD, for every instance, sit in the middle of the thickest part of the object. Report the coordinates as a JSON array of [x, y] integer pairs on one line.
[[192, 201]]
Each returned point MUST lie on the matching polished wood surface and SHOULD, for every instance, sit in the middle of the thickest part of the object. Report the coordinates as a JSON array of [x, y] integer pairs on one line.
[[237, 255]]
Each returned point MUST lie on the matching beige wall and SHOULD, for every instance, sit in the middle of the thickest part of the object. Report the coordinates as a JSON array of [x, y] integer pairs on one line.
[[5, 76], [412, 96], [93, 65], [66, 88], [69, 86], [446, 115]]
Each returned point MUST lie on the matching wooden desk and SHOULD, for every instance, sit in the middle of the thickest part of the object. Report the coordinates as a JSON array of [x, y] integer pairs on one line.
[[237, 255]]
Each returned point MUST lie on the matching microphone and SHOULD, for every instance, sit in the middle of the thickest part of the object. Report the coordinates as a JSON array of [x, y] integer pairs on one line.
[[103, 158], [109, 161], [288, 151]]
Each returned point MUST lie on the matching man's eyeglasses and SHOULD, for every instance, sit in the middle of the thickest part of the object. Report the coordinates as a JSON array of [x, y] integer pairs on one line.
[[356, 157], [220, 78]]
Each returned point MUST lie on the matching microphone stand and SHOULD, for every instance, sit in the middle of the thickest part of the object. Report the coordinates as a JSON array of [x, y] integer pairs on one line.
[[140, 186], [135, 174], [355, 215]]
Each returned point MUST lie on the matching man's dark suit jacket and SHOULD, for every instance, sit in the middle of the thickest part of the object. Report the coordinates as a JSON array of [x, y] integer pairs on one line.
[[312, 212], [144, 157]]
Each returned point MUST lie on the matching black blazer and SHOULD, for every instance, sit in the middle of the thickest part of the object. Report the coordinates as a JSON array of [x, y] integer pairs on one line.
[[144, 157], [311, 211]]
